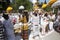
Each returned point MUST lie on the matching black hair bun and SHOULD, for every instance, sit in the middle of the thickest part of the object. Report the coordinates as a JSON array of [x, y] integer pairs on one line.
[[6, 17]]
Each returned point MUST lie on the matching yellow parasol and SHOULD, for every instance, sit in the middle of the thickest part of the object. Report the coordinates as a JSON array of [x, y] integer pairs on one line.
[[9, 8], [44, 5]]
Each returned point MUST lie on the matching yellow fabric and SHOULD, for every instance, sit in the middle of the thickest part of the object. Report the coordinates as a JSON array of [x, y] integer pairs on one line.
[[17, 30], [44, 5], [25, 27], [24, 20]]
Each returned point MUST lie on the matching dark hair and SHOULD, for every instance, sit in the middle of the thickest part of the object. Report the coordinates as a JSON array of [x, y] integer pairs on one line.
[[46, 15], [6, 17]]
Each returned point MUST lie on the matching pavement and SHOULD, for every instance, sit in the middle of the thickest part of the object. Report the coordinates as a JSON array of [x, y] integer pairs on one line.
[[52, 35]]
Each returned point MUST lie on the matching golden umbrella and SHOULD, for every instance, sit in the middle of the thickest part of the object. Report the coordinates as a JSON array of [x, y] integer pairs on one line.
[[44, 5], [9, 9]]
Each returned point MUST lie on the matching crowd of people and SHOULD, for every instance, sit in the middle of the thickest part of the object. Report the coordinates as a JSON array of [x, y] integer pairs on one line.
[[38, 23]]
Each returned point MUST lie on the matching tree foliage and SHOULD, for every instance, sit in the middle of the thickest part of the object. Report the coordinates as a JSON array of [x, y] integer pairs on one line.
[[26, 3], [48, 9]]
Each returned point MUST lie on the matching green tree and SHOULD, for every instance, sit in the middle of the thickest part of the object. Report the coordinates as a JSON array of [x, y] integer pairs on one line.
[[48, 9], [26, 3]]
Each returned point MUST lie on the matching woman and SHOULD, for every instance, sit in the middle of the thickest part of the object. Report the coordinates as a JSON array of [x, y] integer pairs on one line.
[[9, 27], [35, 27], [45, 23]]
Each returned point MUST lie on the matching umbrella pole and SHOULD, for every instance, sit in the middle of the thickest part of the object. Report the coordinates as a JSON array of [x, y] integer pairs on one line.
[[53, 10]]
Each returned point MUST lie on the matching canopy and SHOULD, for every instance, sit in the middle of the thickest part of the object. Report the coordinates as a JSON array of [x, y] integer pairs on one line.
[[51, 2], [56, 4]]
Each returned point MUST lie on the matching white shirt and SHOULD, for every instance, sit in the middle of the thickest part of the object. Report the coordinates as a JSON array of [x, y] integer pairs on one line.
[[35, 20], [52, 17], [44, 21], [14, 17], [1, 19]]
